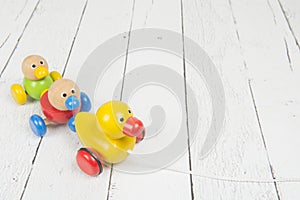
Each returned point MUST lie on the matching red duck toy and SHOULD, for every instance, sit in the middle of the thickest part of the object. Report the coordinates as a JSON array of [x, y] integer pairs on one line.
[[60, 104]]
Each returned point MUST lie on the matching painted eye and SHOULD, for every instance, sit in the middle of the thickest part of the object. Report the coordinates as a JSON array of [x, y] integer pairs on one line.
[[129, 111], [120, 118], [41, 62], [73, 91], [64, 95], [33, 66]]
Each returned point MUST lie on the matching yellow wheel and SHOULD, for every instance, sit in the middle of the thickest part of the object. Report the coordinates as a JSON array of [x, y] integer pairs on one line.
[[55, 75], [18, 94]]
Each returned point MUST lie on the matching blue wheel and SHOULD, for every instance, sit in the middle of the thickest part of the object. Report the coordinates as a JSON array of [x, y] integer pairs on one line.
[[71, 124], [37, 125], [85, 102]]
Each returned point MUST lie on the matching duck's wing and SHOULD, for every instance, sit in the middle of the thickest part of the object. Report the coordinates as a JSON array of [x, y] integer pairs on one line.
[[86, 128], [91, 136]]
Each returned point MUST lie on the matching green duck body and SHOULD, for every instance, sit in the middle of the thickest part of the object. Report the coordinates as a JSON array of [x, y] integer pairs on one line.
[[34, 88]]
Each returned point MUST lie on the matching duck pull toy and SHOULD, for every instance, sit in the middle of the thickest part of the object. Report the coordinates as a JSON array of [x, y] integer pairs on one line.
[[107, 135], [36, 79], [60, 104]]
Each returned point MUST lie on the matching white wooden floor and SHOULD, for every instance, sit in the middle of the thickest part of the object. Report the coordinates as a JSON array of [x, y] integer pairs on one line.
[[255, 45]]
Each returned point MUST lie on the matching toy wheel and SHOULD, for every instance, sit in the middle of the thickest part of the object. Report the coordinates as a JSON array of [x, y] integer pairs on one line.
[[89, 162], [55, 75], [71, 124], [37, 125], [140, 137], [85, 102], [18, 94]]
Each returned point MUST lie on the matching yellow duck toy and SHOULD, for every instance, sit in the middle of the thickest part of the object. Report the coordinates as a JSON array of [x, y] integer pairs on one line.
[[107, 136]]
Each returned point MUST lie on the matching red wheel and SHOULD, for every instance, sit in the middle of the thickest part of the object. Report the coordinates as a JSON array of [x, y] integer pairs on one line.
[[89, 162]]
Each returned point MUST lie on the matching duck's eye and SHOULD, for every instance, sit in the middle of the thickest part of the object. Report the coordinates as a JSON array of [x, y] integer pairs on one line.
[[64, 95], [129, 111], [73, 91], [41, 62], [121, 119], [33, 66]]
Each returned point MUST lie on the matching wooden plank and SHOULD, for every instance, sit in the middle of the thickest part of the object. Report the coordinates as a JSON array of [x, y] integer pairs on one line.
[[160, 184], [275, 91], [20, 146], [14, 18], [291, 12], [278, 109], [57, 152], [270, 57], [292, 189], [268, 42], [239, 152], [284, 14]]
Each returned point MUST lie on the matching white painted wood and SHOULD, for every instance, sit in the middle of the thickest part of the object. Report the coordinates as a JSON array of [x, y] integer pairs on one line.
[[276, 89], [286, 26], [268, 42], [247, 40], [291, 11], [58, 149], [290, 190], [161, 184], [278, 107], [239, 152], [14, 16], [46, 36]]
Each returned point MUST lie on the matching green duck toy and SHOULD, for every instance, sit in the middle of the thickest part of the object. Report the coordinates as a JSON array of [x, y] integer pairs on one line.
[[36, 79]]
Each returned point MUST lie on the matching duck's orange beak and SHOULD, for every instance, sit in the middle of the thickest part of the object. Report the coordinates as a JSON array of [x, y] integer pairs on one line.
[[41, 72], [133, 127]]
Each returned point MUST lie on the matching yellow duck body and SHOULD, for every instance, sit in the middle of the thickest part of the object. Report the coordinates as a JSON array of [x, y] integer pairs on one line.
[[103, 131]]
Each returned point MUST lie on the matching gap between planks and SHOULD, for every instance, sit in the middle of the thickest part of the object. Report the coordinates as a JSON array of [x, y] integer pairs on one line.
[[74, 38], [69, 54], [3, 43], [237, 33], [289, 24], [252, 95], [186, 102], [285, 42], [122, 88], [20, 12], [250, 86], [185, 92], [263, 139], [19, 38]]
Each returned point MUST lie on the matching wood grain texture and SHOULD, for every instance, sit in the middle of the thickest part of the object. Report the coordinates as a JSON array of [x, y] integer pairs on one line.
[[279, 119], [284, 28], [169, 185], [60, 145], [274, 85], [46, 37], [290, 10], [240, 151], [255, 47], [14, 19]]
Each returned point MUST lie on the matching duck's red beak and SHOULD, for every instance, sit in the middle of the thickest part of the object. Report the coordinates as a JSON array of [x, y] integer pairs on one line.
[[134, 127]]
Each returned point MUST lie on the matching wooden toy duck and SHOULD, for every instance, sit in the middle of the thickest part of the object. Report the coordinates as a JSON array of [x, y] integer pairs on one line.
[[108, 136], [60, 104], [36, 79]]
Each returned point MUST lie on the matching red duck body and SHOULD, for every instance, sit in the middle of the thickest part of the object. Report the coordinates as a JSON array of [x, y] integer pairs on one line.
[[53, 114]]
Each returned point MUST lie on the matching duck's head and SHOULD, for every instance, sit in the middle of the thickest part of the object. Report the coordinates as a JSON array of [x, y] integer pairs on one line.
[[64, 94], [35, 67], [116, 120]]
